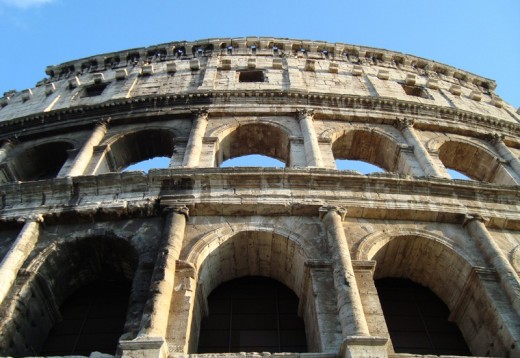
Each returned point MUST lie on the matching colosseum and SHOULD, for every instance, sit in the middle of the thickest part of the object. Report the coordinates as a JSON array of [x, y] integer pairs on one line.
[[303, 261]]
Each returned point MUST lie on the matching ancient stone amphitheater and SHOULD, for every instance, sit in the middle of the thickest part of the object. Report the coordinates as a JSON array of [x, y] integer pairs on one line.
[[301, 261]]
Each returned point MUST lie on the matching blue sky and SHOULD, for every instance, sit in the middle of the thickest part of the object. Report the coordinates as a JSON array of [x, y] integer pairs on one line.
[[479, 36]]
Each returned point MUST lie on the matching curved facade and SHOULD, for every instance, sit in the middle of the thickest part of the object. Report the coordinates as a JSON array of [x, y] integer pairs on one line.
[[72, 220]]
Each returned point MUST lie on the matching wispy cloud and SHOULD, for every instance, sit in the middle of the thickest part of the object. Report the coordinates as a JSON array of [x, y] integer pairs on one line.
[[24, 4]]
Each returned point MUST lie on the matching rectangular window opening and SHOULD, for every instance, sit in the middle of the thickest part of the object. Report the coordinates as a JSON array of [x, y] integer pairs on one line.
[[251, 76], [94, 90], [416, 91]]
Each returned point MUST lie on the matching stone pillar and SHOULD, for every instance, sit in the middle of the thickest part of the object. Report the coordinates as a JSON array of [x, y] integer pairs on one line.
[[498, 141], [357, 341], [85, 154], [310, 141], [5, 148], [495, 257], [194, 147], [18, 253], [405, 125], [151, 339], [351, 315]]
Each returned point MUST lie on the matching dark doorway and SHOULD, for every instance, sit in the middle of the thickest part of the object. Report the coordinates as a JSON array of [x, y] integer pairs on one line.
[[417, 319], [252, 314], [92, 320]]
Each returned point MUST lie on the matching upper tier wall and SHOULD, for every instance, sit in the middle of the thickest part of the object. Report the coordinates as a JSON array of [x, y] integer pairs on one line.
[[283, 65]]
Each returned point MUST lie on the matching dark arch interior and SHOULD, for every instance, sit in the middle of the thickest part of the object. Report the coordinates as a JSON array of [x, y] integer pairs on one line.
[[367, 146], [94, 269], [42, 161], [255, 139], [417, 319], [139, 146], [252, 314], [92, 319]]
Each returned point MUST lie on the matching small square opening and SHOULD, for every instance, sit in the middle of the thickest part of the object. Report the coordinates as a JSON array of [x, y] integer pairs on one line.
[[94, 90], [251, 76], [416, 91]]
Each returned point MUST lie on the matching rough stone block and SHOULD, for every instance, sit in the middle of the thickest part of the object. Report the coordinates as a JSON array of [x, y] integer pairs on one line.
[[121, 74], [455, 90], [357, 70], [383, 75]]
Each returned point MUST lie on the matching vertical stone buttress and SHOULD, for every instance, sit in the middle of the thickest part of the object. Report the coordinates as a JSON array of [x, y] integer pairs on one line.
[[494, 256], [405, 125], [85, 154], [498, 141], [151, 337], [194, 146], [18, 253], [310, 141]]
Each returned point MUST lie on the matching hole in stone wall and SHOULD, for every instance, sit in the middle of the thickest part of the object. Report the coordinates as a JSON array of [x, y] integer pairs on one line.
[[416, 91], [94, 90], [358, 165], [251, 76], [253, 160]]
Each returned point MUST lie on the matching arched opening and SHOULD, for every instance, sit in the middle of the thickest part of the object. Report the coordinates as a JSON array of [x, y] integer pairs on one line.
[[431, 263], [254, 138], [139, 146], [54, 279], [417, 320], [42, 161], [252, 314], [368, 146], [474, 162], [357, 165], [253, 160], [254, 254]]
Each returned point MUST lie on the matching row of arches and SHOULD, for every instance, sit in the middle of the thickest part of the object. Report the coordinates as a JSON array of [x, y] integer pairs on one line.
[[255, 291], [380, 147]]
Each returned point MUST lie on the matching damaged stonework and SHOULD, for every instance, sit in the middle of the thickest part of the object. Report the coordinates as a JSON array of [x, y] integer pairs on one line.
[[100, 261]]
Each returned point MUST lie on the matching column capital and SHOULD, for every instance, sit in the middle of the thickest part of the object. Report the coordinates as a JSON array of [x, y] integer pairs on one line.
[[200, 113], [177, 209], [495, 138], [325, 209], [468, 218], [103, 122], [305, 112], [403, 122], [38, 218]]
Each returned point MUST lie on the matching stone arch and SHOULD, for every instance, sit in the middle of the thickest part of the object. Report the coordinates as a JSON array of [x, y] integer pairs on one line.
[[369, 145], [51, 277], [274, 253], [378, 246], [474, 160], [250, 137], [431, 261], [42, 161], [135, 146]]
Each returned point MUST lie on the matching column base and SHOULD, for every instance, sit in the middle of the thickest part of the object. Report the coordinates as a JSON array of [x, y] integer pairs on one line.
[[144, 347], [364, 347]]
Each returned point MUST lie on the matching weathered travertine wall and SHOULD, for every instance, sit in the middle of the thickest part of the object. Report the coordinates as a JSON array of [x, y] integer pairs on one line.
[[69, 215]]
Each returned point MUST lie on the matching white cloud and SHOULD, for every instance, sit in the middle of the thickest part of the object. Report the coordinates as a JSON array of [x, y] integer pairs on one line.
[[25, 3]]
